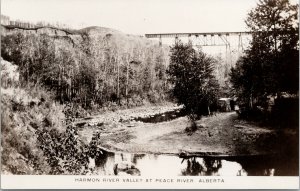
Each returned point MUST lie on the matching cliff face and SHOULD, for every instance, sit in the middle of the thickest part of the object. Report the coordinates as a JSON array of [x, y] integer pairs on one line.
[[94, 65]]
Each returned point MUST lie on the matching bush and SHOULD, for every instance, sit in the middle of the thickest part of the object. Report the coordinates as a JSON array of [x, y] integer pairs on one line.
[[19, 121], [64, 153]]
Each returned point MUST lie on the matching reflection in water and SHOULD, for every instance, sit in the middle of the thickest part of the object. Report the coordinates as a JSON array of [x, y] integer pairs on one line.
[[197, 166], [283, 165], [193, 168], [212, 166], [124, 164], [105, 163]]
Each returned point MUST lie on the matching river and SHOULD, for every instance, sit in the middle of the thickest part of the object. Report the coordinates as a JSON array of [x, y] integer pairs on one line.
[[171, 165], [156, 131]]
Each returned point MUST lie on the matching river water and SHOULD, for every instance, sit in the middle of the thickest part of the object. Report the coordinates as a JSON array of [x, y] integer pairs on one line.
[[121, 164], [171, 165], [161, 117]]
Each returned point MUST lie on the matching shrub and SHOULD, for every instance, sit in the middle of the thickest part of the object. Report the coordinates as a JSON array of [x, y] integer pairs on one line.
[[19, 121], [64, 153]]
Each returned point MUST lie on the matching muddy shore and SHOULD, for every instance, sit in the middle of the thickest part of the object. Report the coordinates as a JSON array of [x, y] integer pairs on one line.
[[223, 134]]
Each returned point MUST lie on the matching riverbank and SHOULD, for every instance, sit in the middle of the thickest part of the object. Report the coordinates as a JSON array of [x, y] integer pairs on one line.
[[220, 135]]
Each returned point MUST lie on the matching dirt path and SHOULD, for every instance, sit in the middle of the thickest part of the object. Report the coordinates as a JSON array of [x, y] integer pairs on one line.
[[222, 134]]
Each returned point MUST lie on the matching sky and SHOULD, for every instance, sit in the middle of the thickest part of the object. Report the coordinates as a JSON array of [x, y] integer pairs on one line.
[[139, 17], [136, 16]]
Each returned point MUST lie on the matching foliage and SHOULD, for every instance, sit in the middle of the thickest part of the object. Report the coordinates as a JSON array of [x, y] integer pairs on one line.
[[21, 114], [191, 73], [64, 152], [34, 138], [90, 69], [270, 65], [221, 71], [9, 74]]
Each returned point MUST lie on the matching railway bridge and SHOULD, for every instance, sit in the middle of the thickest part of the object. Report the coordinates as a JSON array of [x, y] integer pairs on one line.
[[233, 42], [207, 38]]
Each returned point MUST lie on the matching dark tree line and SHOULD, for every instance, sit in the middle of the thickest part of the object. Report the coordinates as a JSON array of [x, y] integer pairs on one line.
[[270, 66]]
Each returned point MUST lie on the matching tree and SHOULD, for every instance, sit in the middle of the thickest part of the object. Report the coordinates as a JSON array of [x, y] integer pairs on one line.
[[270, 65], [90, 70], [194, 85]]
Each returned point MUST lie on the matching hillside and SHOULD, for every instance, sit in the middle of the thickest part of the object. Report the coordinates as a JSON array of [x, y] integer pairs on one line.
[[91, 66], [99, 30], [23, 114]]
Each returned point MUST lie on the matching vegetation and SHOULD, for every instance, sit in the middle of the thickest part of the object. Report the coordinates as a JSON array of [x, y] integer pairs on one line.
[[37, 134], [93, 70], [221, 72], [194, 85], [270, 65], [23, 114], [65, 153]]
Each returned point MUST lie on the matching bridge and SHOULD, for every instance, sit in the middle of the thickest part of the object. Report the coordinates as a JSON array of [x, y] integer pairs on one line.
[[207, 38], [233, 42], [216, 38], [174, 35]]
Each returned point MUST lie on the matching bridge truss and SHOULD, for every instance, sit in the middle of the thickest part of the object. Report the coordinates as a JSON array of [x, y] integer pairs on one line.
[[234, 42], [207, 39]]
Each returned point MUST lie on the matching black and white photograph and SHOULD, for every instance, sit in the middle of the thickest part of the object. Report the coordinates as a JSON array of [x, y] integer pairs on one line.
[[150, 92]]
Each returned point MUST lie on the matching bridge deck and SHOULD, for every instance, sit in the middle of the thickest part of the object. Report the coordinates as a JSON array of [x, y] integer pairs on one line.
[[173, 35]]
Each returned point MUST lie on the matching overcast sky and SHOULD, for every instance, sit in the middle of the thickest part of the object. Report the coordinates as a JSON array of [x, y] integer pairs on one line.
[[136, 16]]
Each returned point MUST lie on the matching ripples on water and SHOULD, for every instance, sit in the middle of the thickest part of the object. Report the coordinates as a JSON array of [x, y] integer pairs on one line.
[[171, 165]]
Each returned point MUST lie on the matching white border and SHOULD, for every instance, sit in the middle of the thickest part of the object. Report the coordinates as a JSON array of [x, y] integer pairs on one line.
[[97, 182]]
